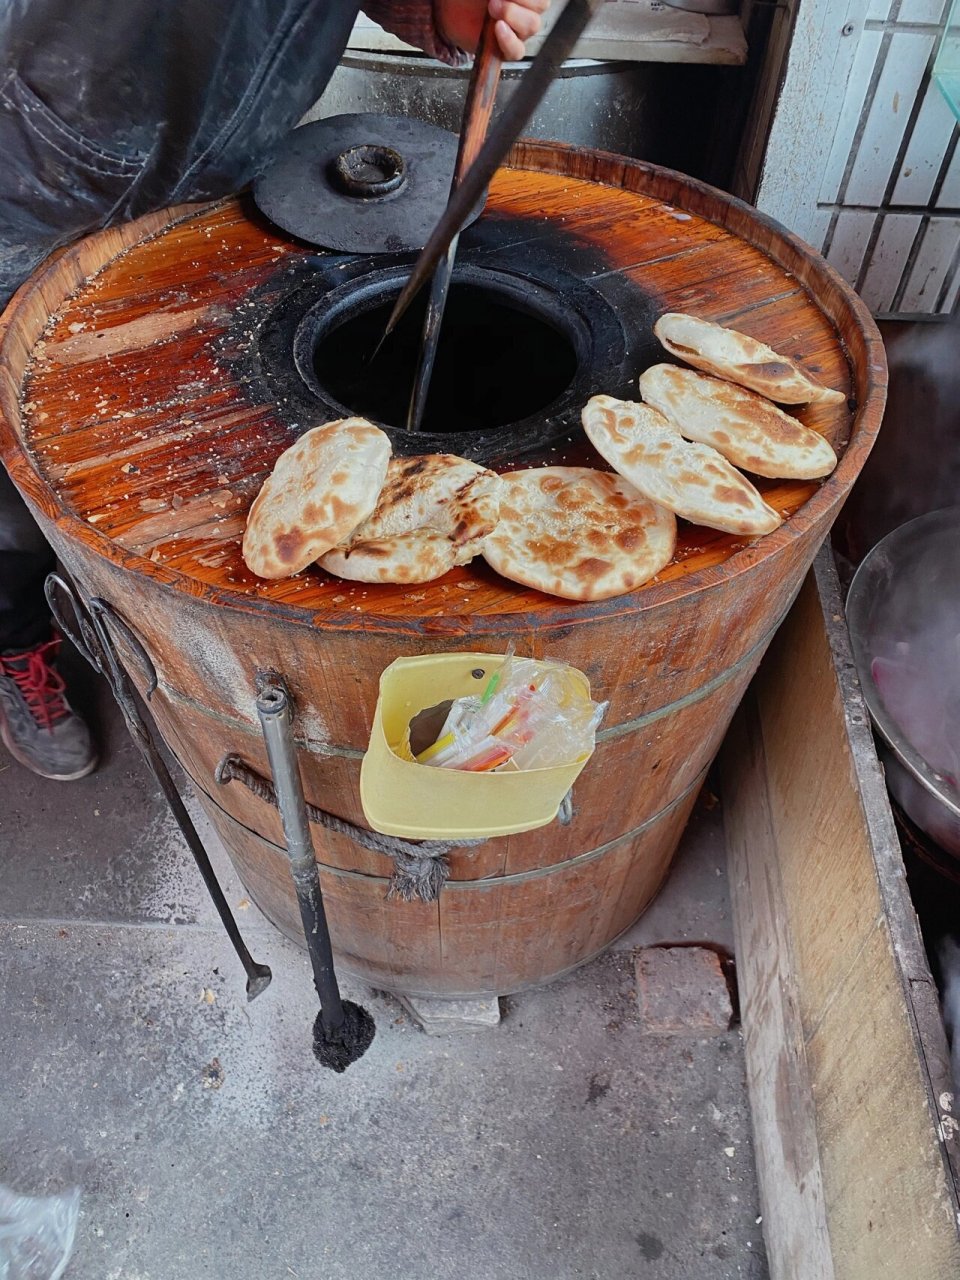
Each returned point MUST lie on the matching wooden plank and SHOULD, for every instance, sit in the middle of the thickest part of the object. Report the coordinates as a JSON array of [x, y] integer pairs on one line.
[[922, 12], [888, 259], [832, 967], [796, 156], [900, 80], [778, 1080], [844, 123], [934, 260], [848, 247], [950, 298], [926, 149], [949, 195]]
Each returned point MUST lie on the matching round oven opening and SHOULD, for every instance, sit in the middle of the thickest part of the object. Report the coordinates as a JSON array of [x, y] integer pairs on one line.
[[508, 350]]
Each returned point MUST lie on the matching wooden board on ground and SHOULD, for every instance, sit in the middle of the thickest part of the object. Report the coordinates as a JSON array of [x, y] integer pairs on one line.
[[846, 1055]]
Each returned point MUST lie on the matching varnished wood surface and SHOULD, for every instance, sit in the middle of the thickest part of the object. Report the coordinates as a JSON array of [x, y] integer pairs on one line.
[[145, 440]]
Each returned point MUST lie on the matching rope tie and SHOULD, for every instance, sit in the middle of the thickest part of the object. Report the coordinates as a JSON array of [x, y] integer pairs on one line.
[[420, 867]]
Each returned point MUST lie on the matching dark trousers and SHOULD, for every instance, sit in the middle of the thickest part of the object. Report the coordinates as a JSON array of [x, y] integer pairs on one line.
[[113, 108], [25, 561]]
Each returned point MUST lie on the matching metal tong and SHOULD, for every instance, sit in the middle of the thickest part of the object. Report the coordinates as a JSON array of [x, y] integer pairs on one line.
[[535, 82], [477, 110]]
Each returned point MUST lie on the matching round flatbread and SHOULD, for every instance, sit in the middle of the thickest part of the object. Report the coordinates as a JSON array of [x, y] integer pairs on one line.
[[578, 533], [433, 513], [692, 480], [320, 489], [741, 359], [746, 428]]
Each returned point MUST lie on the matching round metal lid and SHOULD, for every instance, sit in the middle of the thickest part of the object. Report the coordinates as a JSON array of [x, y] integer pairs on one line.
[[360, 183]]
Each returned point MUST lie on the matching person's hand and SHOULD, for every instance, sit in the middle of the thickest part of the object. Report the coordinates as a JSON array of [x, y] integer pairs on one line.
[[517, 20]]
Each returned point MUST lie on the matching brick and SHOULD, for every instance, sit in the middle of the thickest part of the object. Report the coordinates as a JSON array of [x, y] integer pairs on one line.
[[682, 991]]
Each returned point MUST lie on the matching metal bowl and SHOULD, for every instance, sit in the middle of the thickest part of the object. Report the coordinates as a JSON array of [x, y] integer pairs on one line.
[[908, 589]]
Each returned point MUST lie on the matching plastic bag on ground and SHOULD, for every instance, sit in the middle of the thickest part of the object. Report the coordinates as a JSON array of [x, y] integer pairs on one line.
[[36, 1234]]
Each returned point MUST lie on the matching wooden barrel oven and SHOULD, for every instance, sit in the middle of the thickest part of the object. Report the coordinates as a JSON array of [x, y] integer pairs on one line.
[[147, 388]]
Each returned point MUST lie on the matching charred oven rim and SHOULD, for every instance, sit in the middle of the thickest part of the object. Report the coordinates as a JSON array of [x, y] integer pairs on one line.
[[579, 312]]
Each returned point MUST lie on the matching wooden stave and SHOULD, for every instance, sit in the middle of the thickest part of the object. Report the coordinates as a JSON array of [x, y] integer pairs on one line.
[[413, 930], [773, 568]]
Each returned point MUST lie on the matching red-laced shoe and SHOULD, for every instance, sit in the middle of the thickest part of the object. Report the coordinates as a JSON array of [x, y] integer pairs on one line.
[[37, 724]]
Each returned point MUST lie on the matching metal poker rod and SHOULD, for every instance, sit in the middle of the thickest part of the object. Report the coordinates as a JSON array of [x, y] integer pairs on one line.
[[533, 85], [477, 110], [342, 1031]]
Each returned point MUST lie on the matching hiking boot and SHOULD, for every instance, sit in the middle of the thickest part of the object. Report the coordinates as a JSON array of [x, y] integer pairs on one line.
[[37, 724]]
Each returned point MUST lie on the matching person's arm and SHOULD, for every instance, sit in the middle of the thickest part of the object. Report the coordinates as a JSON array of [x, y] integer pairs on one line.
[[449, 29]]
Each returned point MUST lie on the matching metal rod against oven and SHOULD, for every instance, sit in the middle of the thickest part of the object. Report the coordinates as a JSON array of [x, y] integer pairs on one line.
[[273, 708], [93, 639], [477, 110]]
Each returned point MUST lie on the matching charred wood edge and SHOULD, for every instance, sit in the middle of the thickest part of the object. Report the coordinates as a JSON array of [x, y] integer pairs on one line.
[[514, 877], [420, 867]]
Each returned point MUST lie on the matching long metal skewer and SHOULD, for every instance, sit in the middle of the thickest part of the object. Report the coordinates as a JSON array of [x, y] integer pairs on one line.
[[534, 84], [92, 637], [343, 1031], [477, 110]]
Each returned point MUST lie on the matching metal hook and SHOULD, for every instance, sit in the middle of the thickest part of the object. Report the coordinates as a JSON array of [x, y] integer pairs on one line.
[[91, 637], [100, 608], [51, 587]]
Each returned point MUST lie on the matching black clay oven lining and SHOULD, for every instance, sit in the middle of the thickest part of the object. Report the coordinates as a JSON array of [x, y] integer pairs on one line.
[[324, 292]]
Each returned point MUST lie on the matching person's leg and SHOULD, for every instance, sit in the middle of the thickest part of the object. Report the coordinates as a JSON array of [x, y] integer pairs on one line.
[[37, 724]]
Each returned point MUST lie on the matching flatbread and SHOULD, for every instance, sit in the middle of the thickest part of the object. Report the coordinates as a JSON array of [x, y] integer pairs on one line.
[[746, 428], [692, 480], [433, 513], [320, 489], [578, 533], [741, 359]]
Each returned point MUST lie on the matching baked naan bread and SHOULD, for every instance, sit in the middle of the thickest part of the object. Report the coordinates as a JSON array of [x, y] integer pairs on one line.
[[692, 480], [320, 489], [746, 428], [578, 533], [740, 359], [434, 512]]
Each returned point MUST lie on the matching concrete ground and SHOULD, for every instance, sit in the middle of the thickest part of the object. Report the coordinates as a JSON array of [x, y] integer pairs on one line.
[[207, 1143]]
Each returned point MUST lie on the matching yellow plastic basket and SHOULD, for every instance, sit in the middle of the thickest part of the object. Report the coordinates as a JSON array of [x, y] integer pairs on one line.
[[403, 798]]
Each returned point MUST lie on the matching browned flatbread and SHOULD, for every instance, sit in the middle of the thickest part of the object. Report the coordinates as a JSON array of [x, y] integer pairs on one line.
[[320, 489], [746, 428], [433, 513], [741, 359], [578, 533], [692, 480]]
